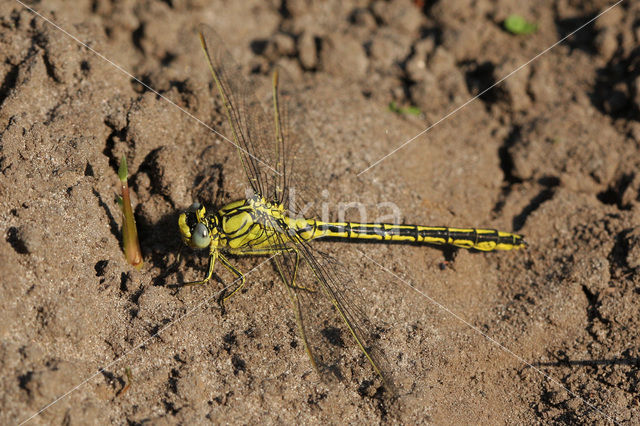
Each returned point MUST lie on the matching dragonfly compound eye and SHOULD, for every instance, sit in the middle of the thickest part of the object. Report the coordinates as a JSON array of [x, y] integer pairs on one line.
[[200, 237]]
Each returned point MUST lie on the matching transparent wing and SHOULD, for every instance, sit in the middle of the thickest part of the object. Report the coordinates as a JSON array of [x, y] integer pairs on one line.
[[296, 157], [328, 312], [253, 132], [275, 162]]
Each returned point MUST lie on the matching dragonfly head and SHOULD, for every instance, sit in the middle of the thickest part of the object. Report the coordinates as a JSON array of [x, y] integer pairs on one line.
[[198, 229]]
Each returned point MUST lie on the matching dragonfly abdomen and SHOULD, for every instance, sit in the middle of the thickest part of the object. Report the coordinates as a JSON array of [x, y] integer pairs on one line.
[[470, 238]]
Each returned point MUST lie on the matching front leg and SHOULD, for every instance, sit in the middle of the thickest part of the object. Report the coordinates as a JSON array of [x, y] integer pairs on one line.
[[213, 255]]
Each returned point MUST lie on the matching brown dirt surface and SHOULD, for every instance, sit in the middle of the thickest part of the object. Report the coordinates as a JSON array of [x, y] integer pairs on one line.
[[543, 335]]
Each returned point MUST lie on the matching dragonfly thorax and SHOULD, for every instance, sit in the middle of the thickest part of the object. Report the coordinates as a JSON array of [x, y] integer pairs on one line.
[[250, 222]]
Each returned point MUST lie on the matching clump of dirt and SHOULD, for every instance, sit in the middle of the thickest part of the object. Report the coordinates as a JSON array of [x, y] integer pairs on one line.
[[547, 334]]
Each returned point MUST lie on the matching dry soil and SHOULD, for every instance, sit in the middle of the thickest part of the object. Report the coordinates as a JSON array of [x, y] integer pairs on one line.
[[542, 335]]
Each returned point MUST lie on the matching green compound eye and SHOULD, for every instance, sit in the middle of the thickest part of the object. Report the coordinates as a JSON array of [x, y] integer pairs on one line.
[[200, 237], [194, 207]]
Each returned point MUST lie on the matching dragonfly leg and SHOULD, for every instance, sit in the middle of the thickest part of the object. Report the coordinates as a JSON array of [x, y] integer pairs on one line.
[[234, 271], [293, 284], [212, 262]]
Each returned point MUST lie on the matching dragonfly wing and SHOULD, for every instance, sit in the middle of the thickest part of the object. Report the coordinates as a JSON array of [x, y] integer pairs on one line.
[[341, 301], [328, 312], [275, 160], [253, 132]]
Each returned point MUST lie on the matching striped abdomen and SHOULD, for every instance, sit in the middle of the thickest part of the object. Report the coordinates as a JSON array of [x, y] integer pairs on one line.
[[470, 238]]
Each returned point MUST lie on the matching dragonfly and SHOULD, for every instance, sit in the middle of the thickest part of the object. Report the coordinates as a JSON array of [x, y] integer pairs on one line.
[[318, 289]]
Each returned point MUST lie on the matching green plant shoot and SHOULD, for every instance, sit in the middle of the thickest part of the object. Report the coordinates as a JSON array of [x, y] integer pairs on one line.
[[130, 241]]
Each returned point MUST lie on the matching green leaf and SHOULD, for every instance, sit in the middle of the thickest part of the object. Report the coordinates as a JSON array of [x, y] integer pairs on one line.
[[393, 107], [516, 24], [412, 110]]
